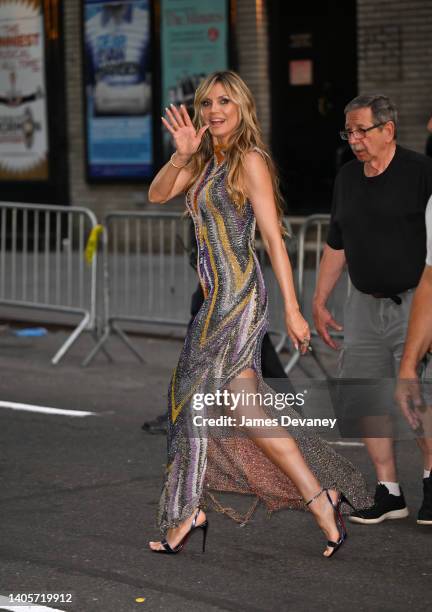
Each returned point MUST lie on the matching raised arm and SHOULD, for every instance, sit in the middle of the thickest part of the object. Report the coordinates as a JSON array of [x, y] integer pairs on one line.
[[419, 336], [260, 193], [173, 178]]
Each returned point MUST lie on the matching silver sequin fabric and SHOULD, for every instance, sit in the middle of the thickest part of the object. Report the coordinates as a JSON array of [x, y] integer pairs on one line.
[[223, 341]]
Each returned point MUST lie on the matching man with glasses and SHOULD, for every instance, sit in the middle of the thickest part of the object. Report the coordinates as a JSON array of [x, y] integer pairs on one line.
[[377, 229]]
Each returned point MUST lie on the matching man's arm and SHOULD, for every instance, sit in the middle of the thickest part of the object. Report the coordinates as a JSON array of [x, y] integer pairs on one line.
[[331, 266], [419, 335]]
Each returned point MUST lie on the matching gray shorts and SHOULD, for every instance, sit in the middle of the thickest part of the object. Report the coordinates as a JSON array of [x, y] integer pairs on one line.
[[374, 336]]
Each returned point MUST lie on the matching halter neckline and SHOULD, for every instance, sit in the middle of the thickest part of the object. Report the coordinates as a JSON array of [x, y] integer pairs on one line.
[[219, 153]]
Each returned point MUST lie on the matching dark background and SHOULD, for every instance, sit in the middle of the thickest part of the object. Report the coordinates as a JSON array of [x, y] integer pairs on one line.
[[306, 119]]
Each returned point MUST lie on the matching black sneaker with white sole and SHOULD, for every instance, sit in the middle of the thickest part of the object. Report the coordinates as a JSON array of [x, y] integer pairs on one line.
[[425, 513], [386, 506]]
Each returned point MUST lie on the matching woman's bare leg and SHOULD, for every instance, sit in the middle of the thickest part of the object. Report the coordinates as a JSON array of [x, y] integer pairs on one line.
[[283, 451]]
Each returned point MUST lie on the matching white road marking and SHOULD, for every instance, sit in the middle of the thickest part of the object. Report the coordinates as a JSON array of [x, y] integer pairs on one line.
[[45, 409], [29, 609], [340, 443], [5, 605]]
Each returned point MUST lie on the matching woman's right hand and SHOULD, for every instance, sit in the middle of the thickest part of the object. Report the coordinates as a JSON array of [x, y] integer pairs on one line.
[[298, 330], [186, 138]]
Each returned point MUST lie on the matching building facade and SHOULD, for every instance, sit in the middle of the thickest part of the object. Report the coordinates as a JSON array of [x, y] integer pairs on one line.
[[385, 44]]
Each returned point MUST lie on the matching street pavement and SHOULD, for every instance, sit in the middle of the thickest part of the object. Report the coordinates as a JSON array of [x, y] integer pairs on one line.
[[78, 499]]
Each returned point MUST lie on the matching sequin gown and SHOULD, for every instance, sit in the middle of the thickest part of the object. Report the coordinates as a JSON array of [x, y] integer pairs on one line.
[[224, 340]]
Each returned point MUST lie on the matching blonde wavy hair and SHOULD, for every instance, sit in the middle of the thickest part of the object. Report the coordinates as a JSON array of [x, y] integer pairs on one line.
[[245, 138]]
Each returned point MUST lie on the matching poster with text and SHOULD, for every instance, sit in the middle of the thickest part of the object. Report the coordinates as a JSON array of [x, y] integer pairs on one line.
[[118, 89], [194, 41], [23, 113]]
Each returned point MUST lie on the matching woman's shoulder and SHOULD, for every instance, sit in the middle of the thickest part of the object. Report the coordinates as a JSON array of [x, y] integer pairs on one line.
[[256, 160], [256, 152], [262, 152]]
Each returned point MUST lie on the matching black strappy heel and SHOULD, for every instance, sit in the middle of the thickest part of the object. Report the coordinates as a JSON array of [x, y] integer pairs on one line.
[[338, 519], [168, 550]]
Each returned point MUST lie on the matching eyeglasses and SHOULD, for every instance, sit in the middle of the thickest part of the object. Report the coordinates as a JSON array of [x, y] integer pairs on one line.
[[360, 133]]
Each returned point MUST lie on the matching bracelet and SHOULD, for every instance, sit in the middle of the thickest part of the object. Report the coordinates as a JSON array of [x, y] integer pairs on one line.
[[173, 164]]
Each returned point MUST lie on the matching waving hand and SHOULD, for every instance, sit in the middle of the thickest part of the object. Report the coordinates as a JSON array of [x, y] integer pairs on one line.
[[186, 138]]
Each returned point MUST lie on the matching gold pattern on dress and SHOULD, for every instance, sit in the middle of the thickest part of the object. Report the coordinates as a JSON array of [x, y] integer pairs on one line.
[[215, 290], [240, 277], [200, 240], [225, 320], [176, 408]]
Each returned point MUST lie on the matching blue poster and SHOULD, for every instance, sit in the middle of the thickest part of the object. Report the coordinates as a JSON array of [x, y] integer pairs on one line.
[[118, 89]]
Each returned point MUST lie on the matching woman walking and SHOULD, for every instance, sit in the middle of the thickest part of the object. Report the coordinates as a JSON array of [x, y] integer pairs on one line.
[[230, 183]]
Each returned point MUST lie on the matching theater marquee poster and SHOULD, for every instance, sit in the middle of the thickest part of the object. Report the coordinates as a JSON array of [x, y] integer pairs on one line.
[[23, 114], [118, 89], [194, 42]]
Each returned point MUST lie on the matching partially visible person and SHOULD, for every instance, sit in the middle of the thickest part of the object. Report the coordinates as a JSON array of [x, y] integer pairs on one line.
[[418, 342], [419, 335]]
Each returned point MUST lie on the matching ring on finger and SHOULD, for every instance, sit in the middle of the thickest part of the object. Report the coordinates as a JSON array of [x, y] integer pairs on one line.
[[305, 343]]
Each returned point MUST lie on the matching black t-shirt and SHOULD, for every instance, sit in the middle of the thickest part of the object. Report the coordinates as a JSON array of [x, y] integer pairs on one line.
[[380, 222]]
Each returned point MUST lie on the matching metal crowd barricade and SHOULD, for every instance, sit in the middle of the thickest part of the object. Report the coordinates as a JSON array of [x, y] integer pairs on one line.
[[277, 327], [148, 278], [42, 263], [311, 239]]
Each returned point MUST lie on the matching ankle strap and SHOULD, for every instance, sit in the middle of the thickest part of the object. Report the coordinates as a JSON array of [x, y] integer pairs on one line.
[[315, 496], [195, 517]]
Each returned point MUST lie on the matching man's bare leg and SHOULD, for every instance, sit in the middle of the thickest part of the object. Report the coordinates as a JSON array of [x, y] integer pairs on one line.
[[381, 452]]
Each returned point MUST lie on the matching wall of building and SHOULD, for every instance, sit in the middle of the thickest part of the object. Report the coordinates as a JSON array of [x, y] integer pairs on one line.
[[395, 58], [252, 54], [252, 64]]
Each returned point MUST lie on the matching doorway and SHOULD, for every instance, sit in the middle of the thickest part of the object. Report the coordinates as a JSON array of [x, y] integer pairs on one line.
[[313, 73]]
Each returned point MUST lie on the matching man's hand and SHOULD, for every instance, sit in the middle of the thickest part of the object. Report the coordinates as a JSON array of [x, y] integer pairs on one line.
[[409, 398], [323, 321]]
